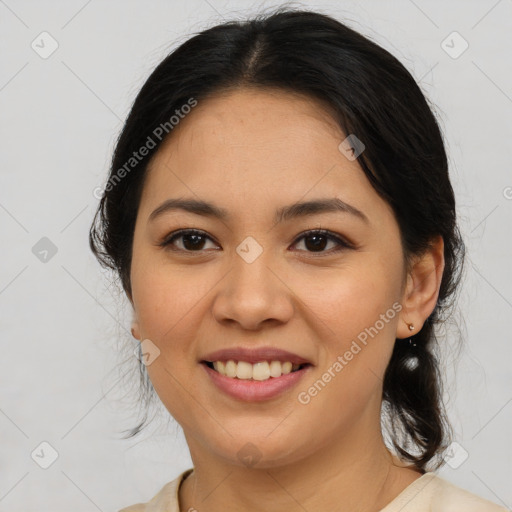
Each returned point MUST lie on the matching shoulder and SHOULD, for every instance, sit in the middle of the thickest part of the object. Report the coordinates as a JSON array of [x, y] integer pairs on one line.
[[449, 497], [431, 493], [166, 500]]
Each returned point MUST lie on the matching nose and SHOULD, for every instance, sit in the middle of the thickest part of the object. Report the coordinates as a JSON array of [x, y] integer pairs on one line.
[[252, 294]]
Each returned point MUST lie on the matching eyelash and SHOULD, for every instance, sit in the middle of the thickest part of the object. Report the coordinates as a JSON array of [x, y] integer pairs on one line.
[[342, 244]]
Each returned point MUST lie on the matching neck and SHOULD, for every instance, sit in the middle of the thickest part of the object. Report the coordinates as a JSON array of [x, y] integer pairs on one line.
[[357, 473]]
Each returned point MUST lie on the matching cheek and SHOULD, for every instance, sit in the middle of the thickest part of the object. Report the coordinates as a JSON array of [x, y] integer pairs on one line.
[[350, 298], [357, 316], [165, 298]]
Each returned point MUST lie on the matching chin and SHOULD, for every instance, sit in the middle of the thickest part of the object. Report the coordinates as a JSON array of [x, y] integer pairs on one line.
[[259, 451]]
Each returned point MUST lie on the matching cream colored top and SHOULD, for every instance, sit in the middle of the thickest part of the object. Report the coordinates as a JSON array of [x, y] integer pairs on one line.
[[428, 493]]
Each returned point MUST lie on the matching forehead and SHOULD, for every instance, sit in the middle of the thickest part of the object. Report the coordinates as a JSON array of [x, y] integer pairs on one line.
[[261, 119], [250, 144]]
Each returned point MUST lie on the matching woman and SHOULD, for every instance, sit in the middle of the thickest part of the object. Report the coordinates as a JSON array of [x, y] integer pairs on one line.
[[280, 214]]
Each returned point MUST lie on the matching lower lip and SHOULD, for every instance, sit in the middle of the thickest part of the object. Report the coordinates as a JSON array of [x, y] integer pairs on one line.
[[255, 390]]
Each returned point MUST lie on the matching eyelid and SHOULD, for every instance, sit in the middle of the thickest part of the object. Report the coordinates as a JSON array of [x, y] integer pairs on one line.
[[342, 242], [168, 239]]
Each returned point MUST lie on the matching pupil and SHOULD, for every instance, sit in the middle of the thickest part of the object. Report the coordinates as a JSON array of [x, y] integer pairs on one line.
[[196, 244], [316, 245]]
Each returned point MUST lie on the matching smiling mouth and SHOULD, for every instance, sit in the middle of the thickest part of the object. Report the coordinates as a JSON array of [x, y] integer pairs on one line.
[[261, 371]]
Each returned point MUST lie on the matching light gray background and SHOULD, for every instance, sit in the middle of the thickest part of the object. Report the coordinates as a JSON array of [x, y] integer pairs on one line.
[[63, 326]]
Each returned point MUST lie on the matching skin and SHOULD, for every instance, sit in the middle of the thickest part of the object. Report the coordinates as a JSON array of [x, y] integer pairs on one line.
[[251, 152]]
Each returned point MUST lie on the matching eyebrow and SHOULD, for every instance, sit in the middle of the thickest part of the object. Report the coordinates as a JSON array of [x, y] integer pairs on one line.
[[299, 209]]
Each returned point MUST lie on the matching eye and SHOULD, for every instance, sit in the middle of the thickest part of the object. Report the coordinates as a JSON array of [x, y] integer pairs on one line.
[[319, 238], [193, 240]]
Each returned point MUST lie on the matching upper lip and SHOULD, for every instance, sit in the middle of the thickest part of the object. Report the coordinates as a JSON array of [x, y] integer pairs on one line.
[[254, 355]]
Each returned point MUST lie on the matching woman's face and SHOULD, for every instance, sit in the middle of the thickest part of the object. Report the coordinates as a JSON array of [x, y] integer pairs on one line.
[[256, 279]]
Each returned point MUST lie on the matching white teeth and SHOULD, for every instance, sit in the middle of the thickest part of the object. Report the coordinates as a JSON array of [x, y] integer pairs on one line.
[[244, 370], [258, 371], [287, 367], [275, 369], [231, 369], [261, 371]]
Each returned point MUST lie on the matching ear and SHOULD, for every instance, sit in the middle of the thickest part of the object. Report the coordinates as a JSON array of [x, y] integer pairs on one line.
[[135, 324], [136, 330], [422, 289]]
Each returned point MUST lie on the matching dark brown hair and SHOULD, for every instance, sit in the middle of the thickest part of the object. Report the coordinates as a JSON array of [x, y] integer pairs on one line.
[[370, 94]]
